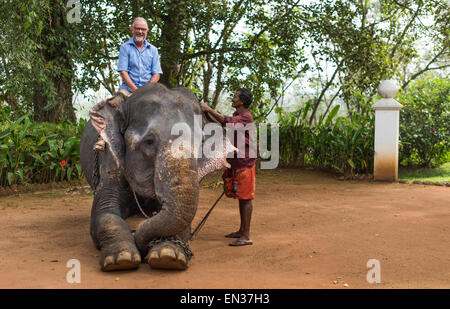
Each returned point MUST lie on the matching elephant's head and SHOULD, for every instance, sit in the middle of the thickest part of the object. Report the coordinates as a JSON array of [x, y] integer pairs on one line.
[[139, 135]]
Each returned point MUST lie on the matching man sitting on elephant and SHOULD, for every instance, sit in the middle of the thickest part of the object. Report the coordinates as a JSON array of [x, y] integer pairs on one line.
[[138, 65]]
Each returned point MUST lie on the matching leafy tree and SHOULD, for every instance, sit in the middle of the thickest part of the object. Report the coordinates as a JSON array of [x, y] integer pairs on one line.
[[363, 41], [38, 56], [215, 46], [209, 46]]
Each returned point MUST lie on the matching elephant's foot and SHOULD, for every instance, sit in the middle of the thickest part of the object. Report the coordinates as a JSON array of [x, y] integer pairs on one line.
[[120, 256], [169, 254]]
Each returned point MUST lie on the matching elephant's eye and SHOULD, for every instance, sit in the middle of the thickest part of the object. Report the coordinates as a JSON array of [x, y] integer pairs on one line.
[[147, 143], [148, 147], [147, 140]]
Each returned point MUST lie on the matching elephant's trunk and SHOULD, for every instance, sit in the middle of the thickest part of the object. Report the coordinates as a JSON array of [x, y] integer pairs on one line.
[[177, 188]]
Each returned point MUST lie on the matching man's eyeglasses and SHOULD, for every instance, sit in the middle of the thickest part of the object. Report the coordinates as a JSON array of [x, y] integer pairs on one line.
[[140, 29]]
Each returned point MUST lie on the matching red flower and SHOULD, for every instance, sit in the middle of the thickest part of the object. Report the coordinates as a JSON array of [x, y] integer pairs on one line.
[[63, 163], [404, 103]]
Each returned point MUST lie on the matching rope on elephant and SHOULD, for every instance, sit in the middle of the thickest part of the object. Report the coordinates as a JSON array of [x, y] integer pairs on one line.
[[96, 175], [139, 205]]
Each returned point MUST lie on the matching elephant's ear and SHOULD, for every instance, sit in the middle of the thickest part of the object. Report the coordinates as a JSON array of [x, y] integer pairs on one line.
[[111, 127]]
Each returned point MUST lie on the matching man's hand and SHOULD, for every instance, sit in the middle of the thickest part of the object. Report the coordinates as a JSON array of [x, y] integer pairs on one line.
[[205, 107], [155, 78], [126, 78]]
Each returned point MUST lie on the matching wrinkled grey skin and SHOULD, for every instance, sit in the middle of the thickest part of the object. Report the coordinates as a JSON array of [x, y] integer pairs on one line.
[[138, 157]]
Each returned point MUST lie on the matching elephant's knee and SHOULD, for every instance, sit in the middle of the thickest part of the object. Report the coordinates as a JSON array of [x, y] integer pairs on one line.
[[110, 227]]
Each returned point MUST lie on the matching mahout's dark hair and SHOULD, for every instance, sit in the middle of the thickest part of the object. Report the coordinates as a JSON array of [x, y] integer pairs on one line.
[[245, 96]]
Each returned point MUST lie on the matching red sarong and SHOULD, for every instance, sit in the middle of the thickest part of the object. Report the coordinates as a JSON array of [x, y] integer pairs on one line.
[[240, 183]]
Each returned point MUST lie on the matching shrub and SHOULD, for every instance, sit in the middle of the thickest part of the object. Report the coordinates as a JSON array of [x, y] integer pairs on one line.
[[32, 152], [425, 123], [343, 145]]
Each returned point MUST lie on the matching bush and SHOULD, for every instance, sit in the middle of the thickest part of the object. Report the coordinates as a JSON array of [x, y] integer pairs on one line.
[[33, 152], [343, 145], [425, 123]]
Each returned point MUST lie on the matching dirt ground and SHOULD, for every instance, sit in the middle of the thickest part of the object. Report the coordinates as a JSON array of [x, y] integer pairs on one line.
[[309, 231]]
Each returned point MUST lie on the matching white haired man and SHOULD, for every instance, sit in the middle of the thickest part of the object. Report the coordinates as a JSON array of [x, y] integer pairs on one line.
[[138, 59], [138, 65]]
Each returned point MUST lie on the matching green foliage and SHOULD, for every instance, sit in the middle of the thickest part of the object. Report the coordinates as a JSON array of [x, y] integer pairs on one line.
[[37, 56], [208, 46], [216, 46], [343, 145], [34, 152], [364, 42], [425, 122]]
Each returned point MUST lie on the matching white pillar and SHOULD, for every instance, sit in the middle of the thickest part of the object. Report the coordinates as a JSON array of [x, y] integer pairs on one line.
[[387, 114]]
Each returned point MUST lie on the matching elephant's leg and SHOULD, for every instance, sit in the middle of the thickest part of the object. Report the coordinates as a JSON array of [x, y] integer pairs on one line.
[[112, 235], [118, 250], [170, 253]]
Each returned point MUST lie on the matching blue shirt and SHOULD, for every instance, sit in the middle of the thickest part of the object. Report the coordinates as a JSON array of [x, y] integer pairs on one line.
[[140, 65]]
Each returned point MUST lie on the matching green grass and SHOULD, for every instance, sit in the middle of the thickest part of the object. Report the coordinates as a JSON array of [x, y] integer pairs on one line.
[[438, 174]]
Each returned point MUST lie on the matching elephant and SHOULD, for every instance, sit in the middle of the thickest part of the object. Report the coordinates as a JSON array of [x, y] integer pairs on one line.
[[138, 169]]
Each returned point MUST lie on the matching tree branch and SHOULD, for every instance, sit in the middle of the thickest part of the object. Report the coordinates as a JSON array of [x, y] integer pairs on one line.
[[241, 49], [331, 102], [303, 70], [329, 83], [110, 87], [427, 68], [225, 33], [400, 41]]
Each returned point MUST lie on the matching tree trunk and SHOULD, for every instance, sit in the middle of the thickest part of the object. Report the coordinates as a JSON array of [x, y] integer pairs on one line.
[[61, 109], [135, 8], [171, 47]]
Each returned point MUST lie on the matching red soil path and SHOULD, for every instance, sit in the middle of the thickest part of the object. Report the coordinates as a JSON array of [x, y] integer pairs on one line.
[[309, 231]]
